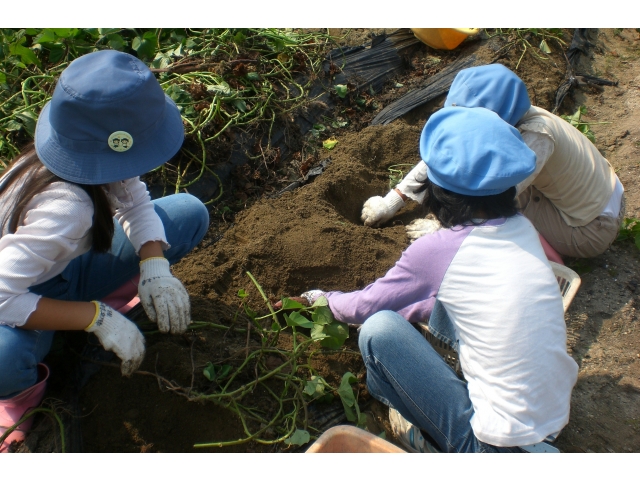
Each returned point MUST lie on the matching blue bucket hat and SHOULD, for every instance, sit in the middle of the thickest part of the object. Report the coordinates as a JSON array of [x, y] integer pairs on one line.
[[108, 120], [493, 87], [472, 151]]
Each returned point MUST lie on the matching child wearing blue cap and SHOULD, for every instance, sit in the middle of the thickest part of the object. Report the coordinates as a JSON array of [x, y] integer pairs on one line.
[[573, 198], [510, 334], [77, 224]]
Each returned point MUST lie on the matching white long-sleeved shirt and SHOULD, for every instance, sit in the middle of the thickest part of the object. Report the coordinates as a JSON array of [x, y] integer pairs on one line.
[[55, 228], [502, 297]]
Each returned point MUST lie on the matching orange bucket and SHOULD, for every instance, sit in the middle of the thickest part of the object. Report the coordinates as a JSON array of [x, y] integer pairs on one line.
[[443, 38]]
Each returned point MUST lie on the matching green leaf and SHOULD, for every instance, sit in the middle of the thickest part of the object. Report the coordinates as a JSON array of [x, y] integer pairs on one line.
[[65, 32], [216, 372], [27, 56], [330, 143], [3, 78], [544, 46], [115, 41], [107, 31], [209, 372], [276, 44], [239, 38], [348, 398], [179, 95], [317, 333], [322, 315], [28, 119], [289, 304], [47, 36], [315, 387], [321, 301], [242, 293], [240, 105], [146, 45], [56, 53], [296, 319], [336, 334], [222, 89], [299, 437], [341, 90], [162, 60], [253, 76], [13, 126]]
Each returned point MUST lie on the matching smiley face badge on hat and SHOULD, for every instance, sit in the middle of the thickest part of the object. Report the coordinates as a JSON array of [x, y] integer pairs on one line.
[[120, 141]]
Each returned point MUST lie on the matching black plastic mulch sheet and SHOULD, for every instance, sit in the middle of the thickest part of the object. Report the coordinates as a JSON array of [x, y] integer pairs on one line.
[[578, 56], [435, 86]]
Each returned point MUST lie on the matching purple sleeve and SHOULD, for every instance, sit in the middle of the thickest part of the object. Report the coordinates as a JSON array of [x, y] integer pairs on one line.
[[410, 287]]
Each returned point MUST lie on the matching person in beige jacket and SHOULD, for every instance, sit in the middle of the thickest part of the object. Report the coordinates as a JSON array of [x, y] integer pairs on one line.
[[573, 198]]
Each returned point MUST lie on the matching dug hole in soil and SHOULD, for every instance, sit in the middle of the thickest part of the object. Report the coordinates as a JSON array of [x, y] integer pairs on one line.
[[312, 237]]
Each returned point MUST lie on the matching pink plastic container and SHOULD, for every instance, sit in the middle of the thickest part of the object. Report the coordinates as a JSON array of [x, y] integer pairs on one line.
[[348, 439]]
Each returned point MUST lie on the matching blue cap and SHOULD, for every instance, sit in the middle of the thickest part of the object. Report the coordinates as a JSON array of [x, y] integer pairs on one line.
[[471, 151], [108, 120], [493, 87]]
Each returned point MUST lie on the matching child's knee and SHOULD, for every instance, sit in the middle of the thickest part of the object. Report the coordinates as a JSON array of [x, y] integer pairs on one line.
[[379, 327], [194, 209]]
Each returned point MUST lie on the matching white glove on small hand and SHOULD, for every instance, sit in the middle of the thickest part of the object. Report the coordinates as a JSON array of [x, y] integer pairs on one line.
[[164, 298], [422, 226], [378, 210], [312, 295], [118, 335]]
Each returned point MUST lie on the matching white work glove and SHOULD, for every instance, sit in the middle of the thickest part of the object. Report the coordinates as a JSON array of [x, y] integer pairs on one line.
[[312, 295], [164, 298], [422, 226], [119, 335], [378, 210]]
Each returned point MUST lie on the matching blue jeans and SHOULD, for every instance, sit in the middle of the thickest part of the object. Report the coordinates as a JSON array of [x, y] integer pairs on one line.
[[93, 276], [406, 373]]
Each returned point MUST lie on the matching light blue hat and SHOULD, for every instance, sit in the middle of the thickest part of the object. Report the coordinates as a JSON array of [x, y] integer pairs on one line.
[[472, 151], [493, 87], [108, 120]]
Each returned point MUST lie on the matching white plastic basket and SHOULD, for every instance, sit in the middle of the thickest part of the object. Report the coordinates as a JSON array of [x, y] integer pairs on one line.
[[568, 281]]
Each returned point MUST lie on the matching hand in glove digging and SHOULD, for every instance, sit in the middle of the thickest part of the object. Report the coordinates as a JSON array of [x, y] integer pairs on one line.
[[309, 297], [118, 335], [422, 226], [378, 210], [164, 298]]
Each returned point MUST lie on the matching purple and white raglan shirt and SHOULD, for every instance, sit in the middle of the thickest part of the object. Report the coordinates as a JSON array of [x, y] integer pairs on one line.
[[504, 302]]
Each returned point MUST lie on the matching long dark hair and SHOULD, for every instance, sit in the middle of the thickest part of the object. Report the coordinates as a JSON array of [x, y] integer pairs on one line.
[[453, 209], [35, 178]]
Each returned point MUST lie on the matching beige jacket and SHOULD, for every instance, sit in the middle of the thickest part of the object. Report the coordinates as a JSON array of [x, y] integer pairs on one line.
[[576, 178]]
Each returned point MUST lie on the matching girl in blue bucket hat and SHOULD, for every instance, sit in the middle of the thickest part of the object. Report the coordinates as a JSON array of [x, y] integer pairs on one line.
[[79, 230], [573, 197], [510, 334]]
